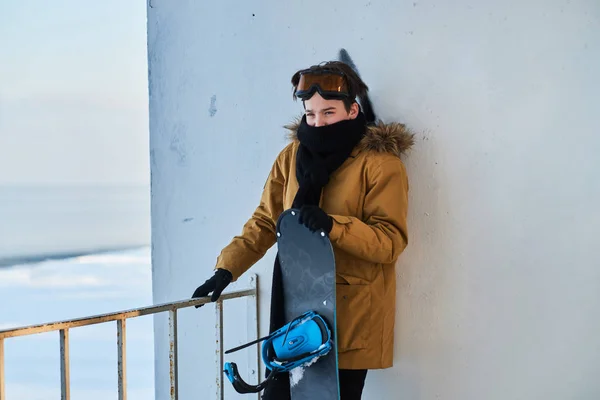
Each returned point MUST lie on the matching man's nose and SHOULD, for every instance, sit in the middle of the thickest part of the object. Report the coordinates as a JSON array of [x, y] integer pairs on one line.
[[320, 121]]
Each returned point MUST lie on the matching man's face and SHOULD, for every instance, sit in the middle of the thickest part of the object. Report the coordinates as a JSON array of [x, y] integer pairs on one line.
[[321, 112]]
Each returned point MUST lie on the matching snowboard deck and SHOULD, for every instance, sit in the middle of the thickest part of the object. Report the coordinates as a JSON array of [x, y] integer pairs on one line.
[[308, 274]]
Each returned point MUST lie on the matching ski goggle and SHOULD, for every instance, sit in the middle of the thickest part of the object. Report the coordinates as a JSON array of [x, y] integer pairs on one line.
[[330, 84]]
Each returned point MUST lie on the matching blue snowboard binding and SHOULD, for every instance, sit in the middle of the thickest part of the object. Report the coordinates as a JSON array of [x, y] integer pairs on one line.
[[296, 343]]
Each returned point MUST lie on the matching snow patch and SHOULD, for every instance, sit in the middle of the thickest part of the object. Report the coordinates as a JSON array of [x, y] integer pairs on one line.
[[297, 373]]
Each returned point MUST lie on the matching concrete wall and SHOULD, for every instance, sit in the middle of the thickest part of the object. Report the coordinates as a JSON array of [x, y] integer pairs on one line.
[[499, 289]]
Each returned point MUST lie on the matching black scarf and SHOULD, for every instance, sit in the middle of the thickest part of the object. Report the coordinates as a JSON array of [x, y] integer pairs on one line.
[[323, 150]]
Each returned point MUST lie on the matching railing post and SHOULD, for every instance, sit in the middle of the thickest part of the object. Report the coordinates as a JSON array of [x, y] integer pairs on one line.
[[2, 395], [122, 359], [219, 333], [173, 354], [65, 384], [252, 323]]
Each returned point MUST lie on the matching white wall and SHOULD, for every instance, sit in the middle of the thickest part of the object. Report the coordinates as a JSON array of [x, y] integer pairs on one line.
[[499, 289]]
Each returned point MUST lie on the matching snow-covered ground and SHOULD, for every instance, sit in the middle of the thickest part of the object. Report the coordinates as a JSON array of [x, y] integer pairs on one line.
[[77, 287]]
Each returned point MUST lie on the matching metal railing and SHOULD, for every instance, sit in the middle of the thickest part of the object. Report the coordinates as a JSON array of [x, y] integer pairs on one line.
[[120, 317]]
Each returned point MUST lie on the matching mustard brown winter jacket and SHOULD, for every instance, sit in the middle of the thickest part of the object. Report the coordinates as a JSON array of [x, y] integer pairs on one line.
[[367, 197]]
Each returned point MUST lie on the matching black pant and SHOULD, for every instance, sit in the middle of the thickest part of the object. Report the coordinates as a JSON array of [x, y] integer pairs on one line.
[[352, 382]]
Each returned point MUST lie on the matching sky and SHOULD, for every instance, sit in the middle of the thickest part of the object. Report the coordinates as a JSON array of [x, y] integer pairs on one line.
[[73, 92]]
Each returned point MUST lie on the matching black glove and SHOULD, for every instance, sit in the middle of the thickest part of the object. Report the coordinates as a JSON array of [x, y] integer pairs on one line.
[[314, 218], [216, 284]]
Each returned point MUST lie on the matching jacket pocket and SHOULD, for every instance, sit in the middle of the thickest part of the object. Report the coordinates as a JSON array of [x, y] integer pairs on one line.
[[353, 303]]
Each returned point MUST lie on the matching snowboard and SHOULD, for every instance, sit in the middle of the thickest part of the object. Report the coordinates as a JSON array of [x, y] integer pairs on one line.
[[365, 101], [308, 280]]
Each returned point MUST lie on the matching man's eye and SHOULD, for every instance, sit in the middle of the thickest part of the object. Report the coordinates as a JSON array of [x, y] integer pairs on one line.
[[329, 113]]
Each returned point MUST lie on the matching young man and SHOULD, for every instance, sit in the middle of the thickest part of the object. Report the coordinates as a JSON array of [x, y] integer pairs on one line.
[[346, 178]]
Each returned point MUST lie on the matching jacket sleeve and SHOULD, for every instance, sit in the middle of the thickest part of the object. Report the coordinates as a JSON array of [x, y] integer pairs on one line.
[[258, 233], [382, 234]]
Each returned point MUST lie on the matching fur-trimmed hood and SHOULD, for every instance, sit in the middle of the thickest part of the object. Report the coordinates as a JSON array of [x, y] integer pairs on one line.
[[394, 138]]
